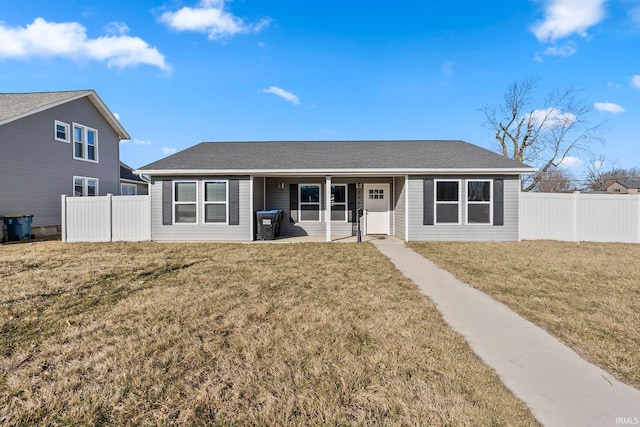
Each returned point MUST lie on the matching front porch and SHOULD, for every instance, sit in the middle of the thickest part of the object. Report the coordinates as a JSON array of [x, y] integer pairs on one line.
[[325, 208]]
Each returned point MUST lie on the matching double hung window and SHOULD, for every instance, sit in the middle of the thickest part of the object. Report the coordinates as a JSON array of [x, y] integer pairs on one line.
[[215, 202], [85, 143], [185, 202], [339, 202], [309, 201], [447, 202], [478, 202]]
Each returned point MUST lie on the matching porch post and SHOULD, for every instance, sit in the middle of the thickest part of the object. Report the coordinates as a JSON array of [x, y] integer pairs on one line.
[[327, 207]]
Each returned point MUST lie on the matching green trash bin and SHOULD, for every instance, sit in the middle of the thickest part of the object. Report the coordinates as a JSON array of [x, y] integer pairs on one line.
[[18, 227]]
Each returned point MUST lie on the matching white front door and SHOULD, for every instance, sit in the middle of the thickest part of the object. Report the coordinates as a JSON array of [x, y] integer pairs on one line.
[[376, 207]]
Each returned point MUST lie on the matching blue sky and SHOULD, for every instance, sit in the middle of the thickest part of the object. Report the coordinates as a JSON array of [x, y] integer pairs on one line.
[[180, 72]]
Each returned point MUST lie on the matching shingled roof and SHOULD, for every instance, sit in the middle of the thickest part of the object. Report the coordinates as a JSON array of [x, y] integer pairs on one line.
[[334, 157], [14, 106]]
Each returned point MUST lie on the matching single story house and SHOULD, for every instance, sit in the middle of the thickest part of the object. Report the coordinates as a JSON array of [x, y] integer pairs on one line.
[[415, 190], [623, 187], [130, 183]]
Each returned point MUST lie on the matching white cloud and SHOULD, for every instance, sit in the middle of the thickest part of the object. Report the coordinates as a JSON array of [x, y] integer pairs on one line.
[[635, 81], [117, 116], [564, 18], [447, 68], [551, 118], [44, 39], [609, 107], [613, 85], [141, 142], [571, 162], [564, 51], [283, 94], [210, 17], [167, 151]]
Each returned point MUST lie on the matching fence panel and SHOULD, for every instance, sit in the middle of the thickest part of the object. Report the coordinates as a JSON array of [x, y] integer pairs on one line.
[[106, 218], [580, 217]]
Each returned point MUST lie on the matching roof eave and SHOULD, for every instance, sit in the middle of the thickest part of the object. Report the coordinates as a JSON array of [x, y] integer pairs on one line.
[[337, 172]]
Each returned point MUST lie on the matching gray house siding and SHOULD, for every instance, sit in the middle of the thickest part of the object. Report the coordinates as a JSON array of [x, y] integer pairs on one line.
[[35, 169], [474, 232], [200, 231], [399, 200]]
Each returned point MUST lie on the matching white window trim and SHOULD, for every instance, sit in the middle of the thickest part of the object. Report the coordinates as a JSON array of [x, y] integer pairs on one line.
[[436, 202], [490, 202], [345, 204], [174, 203], [205, 203], [85, 142], [301, 203], [85, 185], [67, 128], [127, 184]]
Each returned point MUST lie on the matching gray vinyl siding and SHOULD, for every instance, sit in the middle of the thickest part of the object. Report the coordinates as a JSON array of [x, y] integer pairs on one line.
[[35, 169], [200, 231], [399, 207], [507, 232]]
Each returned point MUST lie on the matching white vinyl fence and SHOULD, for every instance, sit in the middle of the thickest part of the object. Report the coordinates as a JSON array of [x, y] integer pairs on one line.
[[580, 217], [106, 218]]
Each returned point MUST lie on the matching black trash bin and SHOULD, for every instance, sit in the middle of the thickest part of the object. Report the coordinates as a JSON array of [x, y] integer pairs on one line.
[[268, 227], [18, 226]]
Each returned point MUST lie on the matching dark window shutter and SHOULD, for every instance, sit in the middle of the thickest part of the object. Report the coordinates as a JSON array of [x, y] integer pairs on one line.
[[498, 202], [167, 202], [351, 195], [427, 202], [234, 202], [293, 203]]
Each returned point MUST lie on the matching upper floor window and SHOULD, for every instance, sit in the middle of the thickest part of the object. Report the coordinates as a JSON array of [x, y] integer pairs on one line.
[[83, 186], [85, 143], [60, 131]]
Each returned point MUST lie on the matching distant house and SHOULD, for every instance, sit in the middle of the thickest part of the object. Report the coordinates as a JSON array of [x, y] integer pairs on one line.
[[56, 143], [415, 190], [130, 183], [624, 187]]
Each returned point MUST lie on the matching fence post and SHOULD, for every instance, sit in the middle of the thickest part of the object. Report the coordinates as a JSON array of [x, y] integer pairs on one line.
[[110, 198], [576, 197], [63, 218]]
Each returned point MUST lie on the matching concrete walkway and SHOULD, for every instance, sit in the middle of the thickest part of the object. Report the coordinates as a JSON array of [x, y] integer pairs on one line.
[[560, 387]]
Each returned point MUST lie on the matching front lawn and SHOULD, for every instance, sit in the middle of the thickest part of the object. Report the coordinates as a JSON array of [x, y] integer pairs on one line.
[[586, 294], [189, 334]]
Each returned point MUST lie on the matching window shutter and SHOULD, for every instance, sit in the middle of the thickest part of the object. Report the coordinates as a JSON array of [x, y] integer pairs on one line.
[[293, 203], [234, 202], [498, 202], [167, 202], [427, 202], [351, 195]]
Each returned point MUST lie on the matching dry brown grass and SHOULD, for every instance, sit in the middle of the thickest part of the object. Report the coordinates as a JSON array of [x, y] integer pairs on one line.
[[587, 294], [231, 334]]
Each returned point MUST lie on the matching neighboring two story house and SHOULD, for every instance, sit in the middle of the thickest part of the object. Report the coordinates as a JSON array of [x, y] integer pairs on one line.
[[55, 143]]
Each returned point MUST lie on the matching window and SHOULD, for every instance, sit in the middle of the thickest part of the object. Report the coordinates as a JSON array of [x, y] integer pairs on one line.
[[339, 202], [447, 202], [478, 202], [309, 202], [128, 189], [184, 202], [376, 193], [215, 202], [85, 143], [83, 186], [60, 131]]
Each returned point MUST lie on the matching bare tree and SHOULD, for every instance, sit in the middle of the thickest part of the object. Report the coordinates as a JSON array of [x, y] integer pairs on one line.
[[599, 178], [540, 132], [556, 180]]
